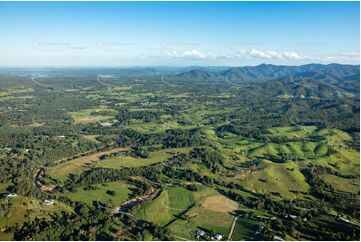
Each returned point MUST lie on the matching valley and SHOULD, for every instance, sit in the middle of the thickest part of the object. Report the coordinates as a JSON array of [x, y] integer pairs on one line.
[[250, 153]]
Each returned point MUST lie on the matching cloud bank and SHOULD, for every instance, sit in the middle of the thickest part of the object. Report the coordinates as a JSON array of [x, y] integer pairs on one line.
[[271, 54], [253, 53], [257, 54], [192, 54]]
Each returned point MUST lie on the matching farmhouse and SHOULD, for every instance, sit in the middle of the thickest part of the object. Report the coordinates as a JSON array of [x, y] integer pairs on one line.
[[48, 202], [277, 238], [218, 236], [200, 233]]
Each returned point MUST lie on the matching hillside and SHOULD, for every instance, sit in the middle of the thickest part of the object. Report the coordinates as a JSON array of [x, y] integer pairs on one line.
[[266, 72]]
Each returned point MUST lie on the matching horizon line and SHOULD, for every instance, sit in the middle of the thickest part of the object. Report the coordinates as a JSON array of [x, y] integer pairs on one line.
[[168, 66]]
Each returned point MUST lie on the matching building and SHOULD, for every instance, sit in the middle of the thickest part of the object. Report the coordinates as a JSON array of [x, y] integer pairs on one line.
[[218, 236], [200, 233], [48, 202], [277, 238], [11, 195]]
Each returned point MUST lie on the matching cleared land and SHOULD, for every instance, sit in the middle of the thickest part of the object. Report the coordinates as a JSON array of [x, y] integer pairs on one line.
[[112, 193], [281, 178], [165, 208], [92, 115], [21, 209], [62, 170], [220, 204], [245, 229], [182, 211], [128, 161]]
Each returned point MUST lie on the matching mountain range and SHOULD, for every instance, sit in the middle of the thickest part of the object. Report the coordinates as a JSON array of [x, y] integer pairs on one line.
[[306, 81], [266, 72]]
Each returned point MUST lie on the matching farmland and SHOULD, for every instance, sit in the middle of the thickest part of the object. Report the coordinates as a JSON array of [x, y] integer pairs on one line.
[[92, 115], [77, 165], [131, 157], [181, 211], [113, 192]]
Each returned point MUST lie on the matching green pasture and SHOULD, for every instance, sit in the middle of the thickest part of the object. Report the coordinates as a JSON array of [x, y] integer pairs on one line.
[[121, 193], [89, 116], [128, 161]]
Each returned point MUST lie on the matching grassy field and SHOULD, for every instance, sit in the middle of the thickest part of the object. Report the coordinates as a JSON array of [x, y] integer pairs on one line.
[[182, 211], [343, 160], [32, 207], [127, 161], [280, 163], [343, 184], [152, 127], [90, 116], [179, 199], [204, 218], [292, 131], [121, 193], [244, 229], [76, 166], [281, 178], [24, 209], [301, 150], [172, 202]]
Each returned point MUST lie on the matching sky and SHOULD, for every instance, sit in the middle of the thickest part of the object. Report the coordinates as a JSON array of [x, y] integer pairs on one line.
[[178, 33]]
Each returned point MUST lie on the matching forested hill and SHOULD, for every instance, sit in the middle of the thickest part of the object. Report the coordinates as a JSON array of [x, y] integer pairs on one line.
[[330, 81], [265, 72]]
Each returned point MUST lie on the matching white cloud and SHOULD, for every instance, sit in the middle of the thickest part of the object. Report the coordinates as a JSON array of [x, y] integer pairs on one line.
[[259, 54], [350, 55], [242, 52], [293, 56], [270, 54], [193, 54], [344, 57]]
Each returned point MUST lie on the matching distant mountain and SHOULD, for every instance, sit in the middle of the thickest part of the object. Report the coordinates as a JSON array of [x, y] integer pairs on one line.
[[308, 88], [265, 72], [198, 75], [312, 81], [175, 69]]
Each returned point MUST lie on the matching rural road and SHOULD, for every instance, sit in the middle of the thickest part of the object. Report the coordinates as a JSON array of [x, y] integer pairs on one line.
[[232, 228], [165, 82], [176, 236]]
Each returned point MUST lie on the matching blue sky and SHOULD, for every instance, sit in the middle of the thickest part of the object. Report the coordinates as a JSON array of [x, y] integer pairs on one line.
[[178, 33]]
